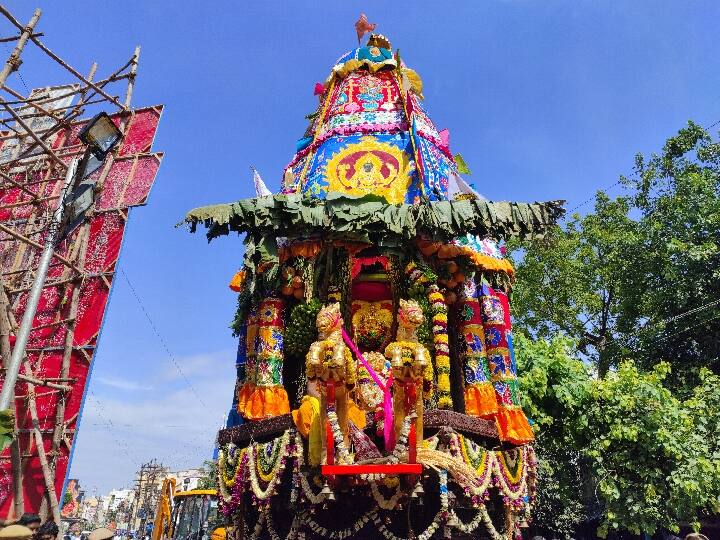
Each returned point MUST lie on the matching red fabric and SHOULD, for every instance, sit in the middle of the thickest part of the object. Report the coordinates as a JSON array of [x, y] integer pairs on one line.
[[364, 262], [127, 184], [371, 291], [387, 469]]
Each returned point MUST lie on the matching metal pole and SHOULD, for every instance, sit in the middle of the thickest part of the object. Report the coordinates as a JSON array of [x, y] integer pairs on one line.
[[23, 334]]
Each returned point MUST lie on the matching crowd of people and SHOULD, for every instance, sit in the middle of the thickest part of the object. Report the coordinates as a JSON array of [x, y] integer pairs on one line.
[[31, 527]]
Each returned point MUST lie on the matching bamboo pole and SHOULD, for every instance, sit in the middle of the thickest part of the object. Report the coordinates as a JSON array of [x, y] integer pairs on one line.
[[15, 451], [34, 244], [25, 203], [35, 105], [18, 185], [76, 111], [48, 476], [60, 423], [15, 38], [33, 135], [40, 382], [131, 78], [13, 63], [55, 57]]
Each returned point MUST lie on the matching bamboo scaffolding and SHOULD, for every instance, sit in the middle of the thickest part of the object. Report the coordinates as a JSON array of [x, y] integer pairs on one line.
[[36, 245], [34, 104], [55, 57], [15, 38], [40, 382], [48, 476], [15, 451], [35, 153], [60, 422]]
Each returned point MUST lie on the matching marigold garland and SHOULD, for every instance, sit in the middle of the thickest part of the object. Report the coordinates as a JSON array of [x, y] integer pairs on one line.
[[439, 328], [442, 350]]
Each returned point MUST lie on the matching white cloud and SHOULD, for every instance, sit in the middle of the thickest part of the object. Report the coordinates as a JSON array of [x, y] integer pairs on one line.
[[120, 431], [122, 384]]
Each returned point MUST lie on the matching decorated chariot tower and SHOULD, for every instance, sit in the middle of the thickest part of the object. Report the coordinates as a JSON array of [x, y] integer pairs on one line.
[[377, 392]]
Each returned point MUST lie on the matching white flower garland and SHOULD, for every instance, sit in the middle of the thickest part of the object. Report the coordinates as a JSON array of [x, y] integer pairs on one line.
[[307, 491], [511, 492], [443, 490], [224, 493], [266, 493], [267, 517], [446, 518], [489, 524], [257, 531], [304, 484], [427, 534], [467, 528], [402, 444], [342, 450], [385, 504], [353, 529]]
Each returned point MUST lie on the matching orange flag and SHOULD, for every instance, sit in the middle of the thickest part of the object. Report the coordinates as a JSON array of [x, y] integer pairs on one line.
[[362, 26]]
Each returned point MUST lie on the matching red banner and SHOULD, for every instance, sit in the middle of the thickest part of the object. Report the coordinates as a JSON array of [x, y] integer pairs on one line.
[[76, 295]]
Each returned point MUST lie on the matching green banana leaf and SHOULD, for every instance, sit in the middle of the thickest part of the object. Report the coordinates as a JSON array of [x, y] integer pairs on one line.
[[373, 219], [7, 428]]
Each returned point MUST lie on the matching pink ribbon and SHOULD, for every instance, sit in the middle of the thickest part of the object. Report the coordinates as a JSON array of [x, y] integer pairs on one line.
[[388, 422]]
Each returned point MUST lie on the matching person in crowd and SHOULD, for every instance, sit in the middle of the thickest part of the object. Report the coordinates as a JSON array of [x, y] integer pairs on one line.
[[102, 533], [47, 531], [31, 521], [696, 536], [15, 532]]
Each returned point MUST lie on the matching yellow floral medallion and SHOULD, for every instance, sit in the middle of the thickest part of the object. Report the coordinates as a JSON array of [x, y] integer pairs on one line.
[[370, 166]]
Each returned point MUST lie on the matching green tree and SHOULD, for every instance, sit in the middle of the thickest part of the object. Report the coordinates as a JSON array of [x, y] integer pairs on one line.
[[639, 277], [555, 388], [623, 444], [210, 479]]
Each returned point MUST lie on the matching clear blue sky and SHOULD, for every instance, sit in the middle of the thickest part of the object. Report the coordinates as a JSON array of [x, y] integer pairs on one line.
[[545, 100]]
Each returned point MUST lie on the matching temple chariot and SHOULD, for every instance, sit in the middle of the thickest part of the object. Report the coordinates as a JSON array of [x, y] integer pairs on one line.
[[377, 392]]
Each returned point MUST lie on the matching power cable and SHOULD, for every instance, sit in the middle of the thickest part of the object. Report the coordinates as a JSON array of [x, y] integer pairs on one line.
[[162, 340], [592, 198], [109, 423], [689, 312], [586, 201], [664, 337]]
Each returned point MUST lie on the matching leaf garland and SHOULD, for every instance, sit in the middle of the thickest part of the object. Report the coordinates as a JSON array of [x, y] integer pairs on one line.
[[372, 219]]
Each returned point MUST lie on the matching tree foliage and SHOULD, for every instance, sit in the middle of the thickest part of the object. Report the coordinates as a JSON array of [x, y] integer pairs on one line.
[[209, 479], [623, 447], [639, 277], [622, 378]]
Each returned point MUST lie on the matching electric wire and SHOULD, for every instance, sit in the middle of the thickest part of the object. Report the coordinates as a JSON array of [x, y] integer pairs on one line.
[[590, 199], [162, 340], [686, 313], [702, 323], [100, 408]]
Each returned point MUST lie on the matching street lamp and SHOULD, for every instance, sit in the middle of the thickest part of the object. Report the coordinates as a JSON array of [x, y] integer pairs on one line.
[[101, 136]]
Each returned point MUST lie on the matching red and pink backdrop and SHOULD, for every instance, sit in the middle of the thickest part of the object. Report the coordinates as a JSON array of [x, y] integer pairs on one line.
[[93, 247]]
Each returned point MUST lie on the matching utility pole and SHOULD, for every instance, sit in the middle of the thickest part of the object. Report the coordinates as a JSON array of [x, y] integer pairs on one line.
[[23, 333], [146, 494], [12, 64]]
